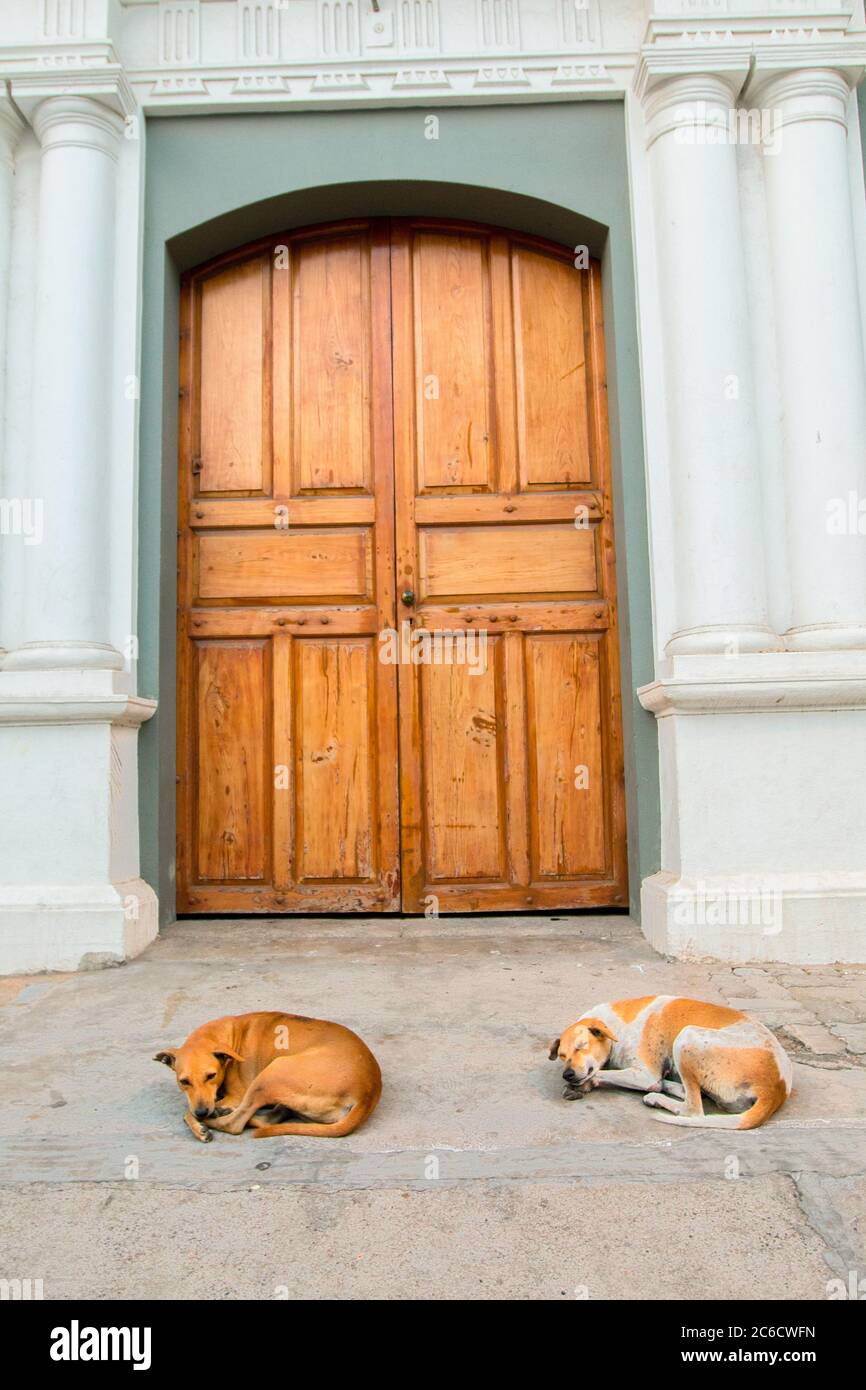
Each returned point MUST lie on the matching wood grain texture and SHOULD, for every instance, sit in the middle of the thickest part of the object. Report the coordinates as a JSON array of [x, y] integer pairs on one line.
[[500, 560], [320, 477], [331, 356], [334, 758], [234, 379], [551, 369], [452, 361], [566, 770], [462, 731], [232, 751], [290, 565]]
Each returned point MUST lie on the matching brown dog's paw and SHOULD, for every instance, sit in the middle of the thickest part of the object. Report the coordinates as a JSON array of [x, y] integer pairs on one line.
[[222, 1110]]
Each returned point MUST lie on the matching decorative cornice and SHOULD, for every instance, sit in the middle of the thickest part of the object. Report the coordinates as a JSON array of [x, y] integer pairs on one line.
[[753, 47], [658, 64], [283, 57], [757, 683], [99, 76], [304, 87]]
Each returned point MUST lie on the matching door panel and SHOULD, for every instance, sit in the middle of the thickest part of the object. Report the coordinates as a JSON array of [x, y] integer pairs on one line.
[[287, 722], [451, 308], [511, 780], [233, 429], [551, 372], [335, 740], [369, 409], [464, 802], [232, 757], [332, 366]]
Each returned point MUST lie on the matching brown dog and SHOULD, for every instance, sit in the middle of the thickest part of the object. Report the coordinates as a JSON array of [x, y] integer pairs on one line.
[[318, 1078]]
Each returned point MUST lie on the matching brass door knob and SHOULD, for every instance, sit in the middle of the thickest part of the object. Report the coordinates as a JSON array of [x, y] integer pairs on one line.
[[408, 597]]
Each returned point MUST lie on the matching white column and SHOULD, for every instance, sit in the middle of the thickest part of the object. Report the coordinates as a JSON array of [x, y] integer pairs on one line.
[[68, 579], [11, 127], [71, 894], [821, 354], [714, 478]]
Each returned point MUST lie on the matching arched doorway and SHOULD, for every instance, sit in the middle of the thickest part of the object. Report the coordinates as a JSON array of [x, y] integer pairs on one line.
[[398, 671]]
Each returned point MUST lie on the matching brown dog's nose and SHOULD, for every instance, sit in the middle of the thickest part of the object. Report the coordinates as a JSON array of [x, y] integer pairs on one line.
[[201, 1112], [567, 1075]]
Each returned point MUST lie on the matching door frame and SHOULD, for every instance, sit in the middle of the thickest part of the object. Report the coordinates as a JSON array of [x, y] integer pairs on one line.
[[295, 169]]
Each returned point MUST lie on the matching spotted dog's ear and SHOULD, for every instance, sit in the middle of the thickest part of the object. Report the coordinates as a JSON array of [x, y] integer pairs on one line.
[[554, 1050], [168, 1057], [599, 1029]]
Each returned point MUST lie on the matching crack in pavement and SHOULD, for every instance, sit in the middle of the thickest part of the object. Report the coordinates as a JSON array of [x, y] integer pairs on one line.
[[822, 1216]]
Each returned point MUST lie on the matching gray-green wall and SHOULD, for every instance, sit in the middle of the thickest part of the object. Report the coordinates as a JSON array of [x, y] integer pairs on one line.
[[215, 182]]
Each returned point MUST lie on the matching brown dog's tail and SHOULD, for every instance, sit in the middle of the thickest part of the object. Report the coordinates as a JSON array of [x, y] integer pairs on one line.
[[350, 1121]]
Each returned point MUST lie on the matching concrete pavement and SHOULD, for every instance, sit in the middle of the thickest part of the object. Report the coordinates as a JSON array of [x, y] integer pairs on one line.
[[473, 1179]]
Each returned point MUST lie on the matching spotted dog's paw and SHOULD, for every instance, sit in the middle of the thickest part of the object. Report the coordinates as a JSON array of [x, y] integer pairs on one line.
[[577, 1092], [653, 1098]]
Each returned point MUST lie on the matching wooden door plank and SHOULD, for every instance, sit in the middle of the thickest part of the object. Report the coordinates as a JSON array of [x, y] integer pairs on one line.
[[516, 762], [412, 838], [283, 770]]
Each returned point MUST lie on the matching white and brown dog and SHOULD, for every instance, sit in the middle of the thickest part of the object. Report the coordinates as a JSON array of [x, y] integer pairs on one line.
[[678, 1050]]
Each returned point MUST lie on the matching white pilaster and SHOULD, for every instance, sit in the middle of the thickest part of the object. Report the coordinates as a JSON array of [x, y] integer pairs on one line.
[[68, 579], [71, 895], [821, 353], [762, 753], [11, 127], [713, 466]]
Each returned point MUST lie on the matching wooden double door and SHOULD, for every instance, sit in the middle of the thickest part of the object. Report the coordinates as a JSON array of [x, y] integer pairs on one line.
[[391, 429]]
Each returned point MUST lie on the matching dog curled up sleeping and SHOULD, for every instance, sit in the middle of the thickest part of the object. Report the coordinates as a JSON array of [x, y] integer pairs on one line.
[[677, 1051], [314, 1077]]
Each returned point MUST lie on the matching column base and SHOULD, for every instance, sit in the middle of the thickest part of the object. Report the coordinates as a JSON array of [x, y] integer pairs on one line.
[[721, 639], [64, 656], [826, 637], [804, 919], [762, 763], [71, 895], [85, 926]]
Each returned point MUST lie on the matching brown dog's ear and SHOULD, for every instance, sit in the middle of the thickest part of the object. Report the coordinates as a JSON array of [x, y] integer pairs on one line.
[[599, 1029], [554, 1050], [225, 1054], [168, 1056]]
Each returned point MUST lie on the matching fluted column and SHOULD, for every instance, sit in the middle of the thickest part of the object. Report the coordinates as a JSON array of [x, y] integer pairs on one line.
[[68, 579], [821, 353], [714, 478]]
